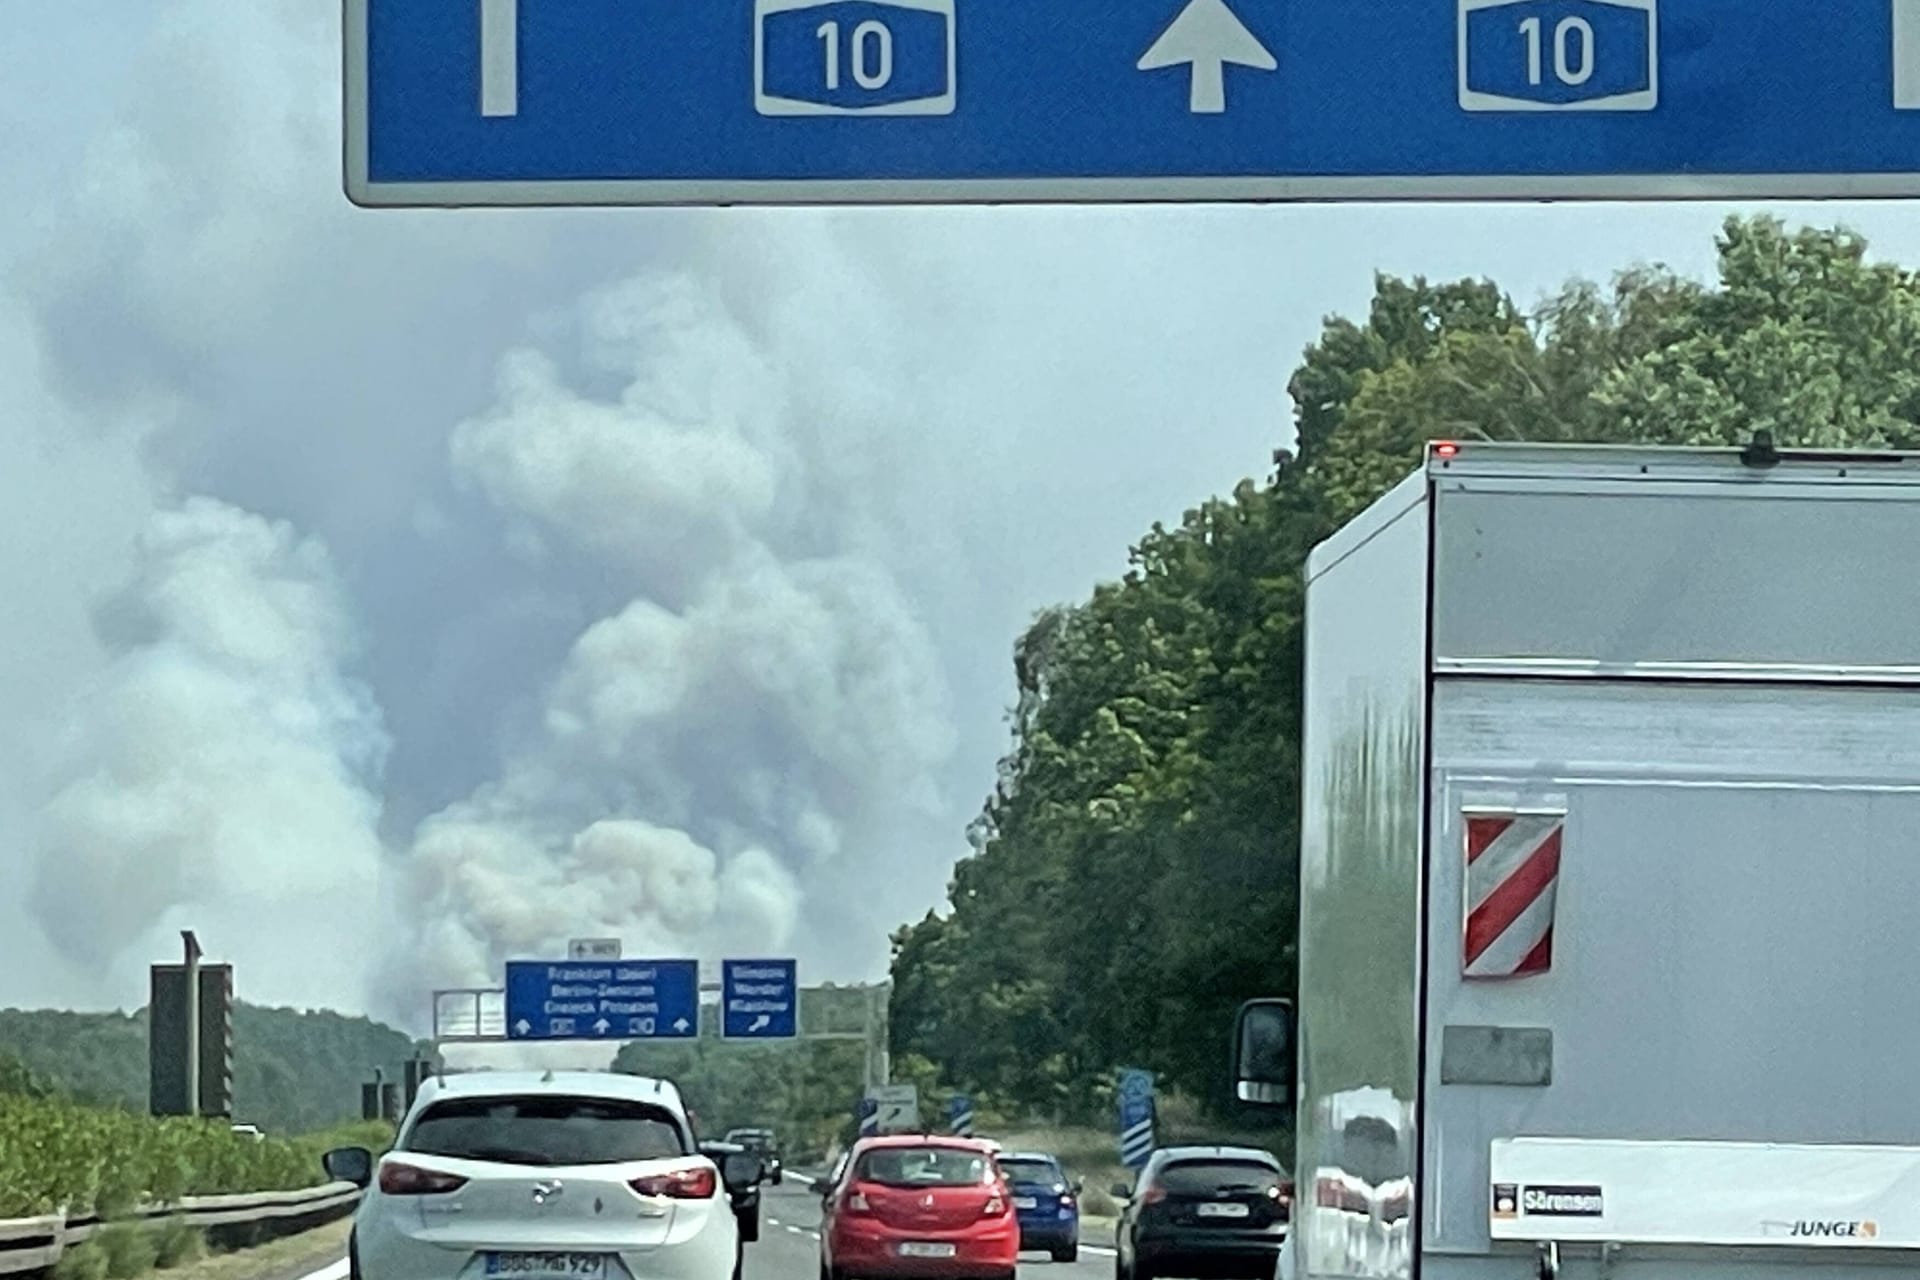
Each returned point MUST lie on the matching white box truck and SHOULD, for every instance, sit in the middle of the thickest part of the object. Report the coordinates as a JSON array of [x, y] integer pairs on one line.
[[1610, 873]]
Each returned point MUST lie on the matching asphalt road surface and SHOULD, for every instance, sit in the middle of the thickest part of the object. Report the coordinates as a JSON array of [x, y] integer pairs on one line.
[[789, 1244]]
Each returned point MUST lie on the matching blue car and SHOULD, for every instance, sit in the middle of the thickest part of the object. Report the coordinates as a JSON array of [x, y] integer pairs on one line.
[[1047, 1205]]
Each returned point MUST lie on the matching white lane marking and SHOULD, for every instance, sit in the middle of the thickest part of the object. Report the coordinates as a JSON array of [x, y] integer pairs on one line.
[[773, 1222], [1100, 1250], [335, 1270]]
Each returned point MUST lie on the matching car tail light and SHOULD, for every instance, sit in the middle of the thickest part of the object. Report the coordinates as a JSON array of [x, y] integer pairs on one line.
[[857, 1202], [411, 1180], [995, 1206], [1154, 1195], [1066, 1200], [681, 1184]]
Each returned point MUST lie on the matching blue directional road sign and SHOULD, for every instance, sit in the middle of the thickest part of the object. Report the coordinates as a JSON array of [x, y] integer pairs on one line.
[[1136, 1116], [603, 1000], [759, 1000], [960, 1115], [518, 102]]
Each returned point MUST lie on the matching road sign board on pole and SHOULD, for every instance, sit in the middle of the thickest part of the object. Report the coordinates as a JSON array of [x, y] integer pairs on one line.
[[518, 102], [593, 949], [897, 1107], [216, 1040], [759, 999], [469, 1014], [1135, 1104], [867, 1111], [960, 1115], [620, 1000]]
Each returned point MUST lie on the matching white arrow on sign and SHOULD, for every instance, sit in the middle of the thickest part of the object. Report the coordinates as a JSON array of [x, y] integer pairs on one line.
[[601, 1026], [523, 1026], [681, 1025], [765, 1019], [1207, 36]]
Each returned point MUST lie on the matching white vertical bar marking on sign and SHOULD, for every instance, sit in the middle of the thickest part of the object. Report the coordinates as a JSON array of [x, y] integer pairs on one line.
[[1906, 55], [499, 57]]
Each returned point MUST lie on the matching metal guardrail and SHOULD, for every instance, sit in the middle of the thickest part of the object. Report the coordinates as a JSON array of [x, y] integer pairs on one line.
[[34, 1244]]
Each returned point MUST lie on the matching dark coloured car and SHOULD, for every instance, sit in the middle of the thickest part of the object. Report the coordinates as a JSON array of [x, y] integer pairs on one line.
[[1211, 1213], [1047, 1205], [762, 1143]]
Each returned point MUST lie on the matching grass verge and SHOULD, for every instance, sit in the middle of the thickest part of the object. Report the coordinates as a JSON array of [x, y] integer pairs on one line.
[[288, 1256]]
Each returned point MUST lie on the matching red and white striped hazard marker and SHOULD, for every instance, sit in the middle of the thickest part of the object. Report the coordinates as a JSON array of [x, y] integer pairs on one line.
[[1513, 870]]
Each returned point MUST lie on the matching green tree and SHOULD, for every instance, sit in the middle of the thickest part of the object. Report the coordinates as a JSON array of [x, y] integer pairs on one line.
[[1134, 873]]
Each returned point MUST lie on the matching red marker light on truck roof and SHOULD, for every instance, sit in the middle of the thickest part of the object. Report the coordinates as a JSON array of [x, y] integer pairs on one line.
[[1446, 449]]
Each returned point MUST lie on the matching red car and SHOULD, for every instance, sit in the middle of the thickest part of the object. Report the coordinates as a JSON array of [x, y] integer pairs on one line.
[[914, 1207]]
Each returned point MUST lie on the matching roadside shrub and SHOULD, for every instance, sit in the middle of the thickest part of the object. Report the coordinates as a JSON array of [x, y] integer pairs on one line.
[[84, 1261], [129, 1248], [176, 1241], [58, 1154]]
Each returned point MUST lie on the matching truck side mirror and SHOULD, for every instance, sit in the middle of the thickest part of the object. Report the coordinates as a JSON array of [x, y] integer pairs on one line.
[[1263, 1053]]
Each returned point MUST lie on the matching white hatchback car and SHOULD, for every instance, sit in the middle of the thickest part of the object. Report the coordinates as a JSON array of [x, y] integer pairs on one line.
[[542, 1175]]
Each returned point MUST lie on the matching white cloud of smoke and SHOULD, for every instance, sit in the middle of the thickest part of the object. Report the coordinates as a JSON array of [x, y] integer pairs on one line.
[[727, 752], [222, 762]]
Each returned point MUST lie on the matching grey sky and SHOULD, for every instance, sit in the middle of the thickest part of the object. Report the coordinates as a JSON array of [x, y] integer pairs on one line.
[[510, 505]]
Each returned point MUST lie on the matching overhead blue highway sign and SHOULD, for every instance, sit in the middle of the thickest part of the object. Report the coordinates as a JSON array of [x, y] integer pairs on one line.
[[603, 1000], [759, 1000], [517, 102]]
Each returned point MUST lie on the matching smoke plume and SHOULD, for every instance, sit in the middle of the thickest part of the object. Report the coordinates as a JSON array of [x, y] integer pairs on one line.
[[222, 761], [759, 710]]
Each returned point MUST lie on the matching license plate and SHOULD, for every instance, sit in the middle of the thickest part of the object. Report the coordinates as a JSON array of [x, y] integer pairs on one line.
[[539, 1266], [1223, 1211], [918, 1249], [1025, 1202]]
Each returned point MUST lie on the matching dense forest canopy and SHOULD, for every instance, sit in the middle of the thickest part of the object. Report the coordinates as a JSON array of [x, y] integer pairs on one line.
[[293, 1071]]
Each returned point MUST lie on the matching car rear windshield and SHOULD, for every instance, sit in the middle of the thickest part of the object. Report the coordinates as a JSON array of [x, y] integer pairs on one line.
[[546, 1129], [1192, 1177], [924, 1167], [1031, 1171]]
